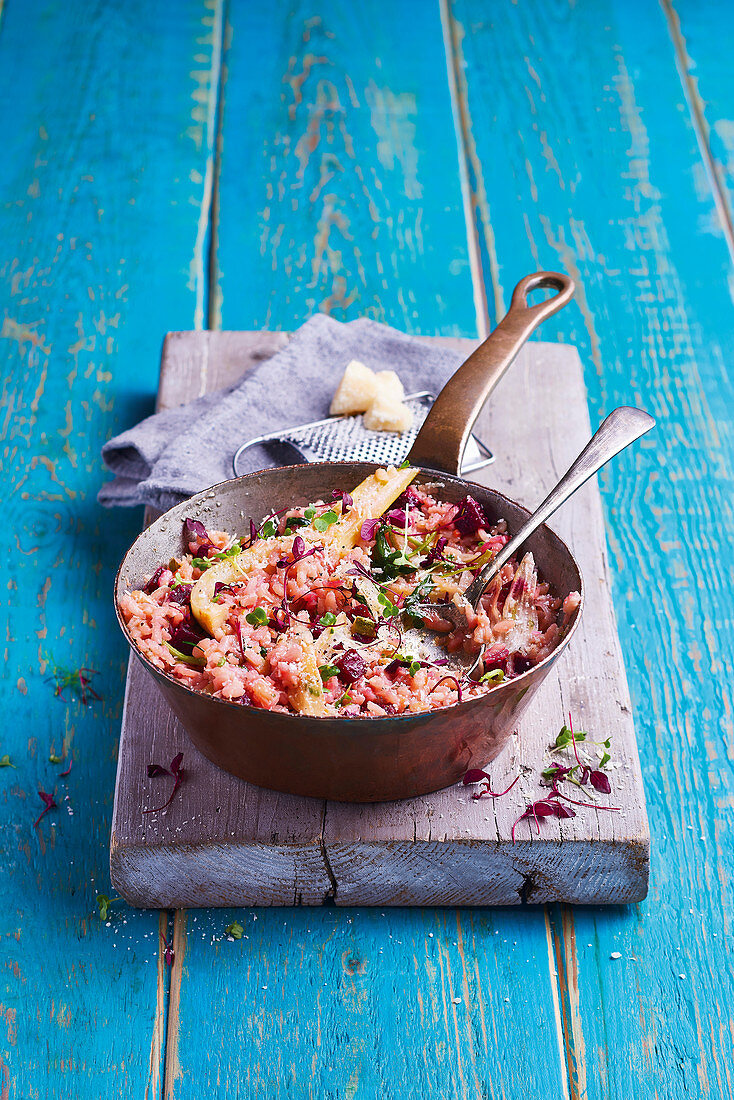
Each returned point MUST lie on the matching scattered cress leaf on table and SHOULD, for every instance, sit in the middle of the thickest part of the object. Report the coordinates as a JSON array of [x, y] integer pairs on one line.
[[49, 804], [176, 771], [234, 930], [103, 904]]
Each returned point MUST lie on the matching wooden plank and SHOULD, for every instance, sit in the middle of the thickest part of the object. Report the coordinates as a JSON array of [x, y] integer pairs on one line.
[[225, 842], [629, 215], [104, 154]]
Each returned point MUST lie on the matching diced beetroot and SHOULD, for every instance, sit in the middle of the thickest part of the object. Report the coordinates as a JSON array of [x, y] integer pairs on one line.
[[155, 580], [520, 664], [351, 666], [180, 594], [187, 634], [470, 516], [496, 657], [409, 497]]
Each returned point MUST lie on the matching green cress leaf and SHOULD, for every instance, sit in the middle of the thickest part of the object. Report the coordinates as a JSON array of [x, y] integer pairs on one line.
[[103, 904], [269, 529], [186, 658], [234, 930], [325, 520], [327, 671], [496, 676], [309, 513], [328, 619], [5, 762], [257, 617]]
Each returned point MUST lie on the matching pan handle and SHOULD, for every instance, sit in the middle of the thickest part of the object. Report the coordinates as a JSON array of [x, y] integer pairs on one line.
[[440, 443]]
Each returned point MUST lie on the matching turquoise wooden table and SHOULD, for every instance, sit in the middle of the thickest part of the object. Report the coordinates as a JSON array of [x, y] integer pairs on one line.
[[214, 164]]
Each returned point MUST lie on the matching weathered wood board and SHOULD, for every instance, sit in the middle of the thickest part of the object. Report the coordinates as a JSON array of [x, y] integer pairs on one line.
[[226, 842]]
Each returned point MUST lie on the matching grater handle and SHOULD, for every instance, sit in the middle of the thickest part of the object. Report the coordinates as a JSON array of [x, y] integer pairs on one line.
[[440, 443]]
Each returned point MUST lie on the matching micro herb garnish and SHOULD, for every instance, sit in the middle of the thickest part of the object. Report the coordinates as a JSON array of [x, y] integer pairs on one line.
[[325, 520], [389, 609], [368, 528], [346, 500], [389, 562], [328, 619], [404, 464], [494, 676], [419, 594], [257, 617], [545, 807], [344, 700], [476, 775], [553, 804], [176, 771], [54, 759], [168, 952], [235, 930], [77, 680], [567, 735], [221, 662], [103, 904], [195, 531], [186, 658], [327, 671], [49, 804], [404, 660], [269, 529], [5, 762], [309, 513]]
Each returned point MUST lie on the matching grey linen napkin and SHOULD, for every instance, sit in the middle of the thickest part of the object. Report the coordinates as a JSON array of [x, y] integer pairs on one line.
[[174, 454]]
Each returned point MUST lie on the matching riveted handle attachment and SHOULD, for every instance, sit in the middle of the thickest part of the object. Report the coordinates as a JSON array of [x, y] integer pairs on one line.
[[441, 441]]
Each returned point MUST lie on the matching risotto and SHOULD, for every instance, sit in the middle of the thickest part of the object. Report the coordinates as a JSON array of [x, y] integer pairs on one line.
[[306, 613]]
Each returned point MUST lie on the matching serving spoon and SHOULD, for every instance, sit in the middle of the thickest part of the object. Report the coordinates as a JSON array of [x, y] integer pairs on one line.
[[621, 428]]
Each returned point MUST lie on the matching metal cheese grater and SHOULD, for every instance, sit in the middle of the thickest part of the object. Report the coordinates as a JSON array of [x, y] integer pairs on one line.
[[345, 439]]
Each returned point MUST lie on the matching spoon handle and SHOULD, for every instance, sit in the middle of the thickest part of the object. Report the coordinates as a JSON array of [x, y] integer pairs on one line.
[[622, 427]]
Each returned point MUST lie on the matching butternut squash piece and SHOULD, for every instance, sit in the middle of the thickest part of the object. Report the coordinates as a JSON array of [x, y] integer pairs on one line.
[[308, 697], [213, 616]]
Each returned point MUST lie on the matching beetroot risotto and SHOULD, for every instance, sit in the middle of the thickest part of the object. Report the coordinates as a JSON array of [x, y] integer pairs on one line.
[[306, 614]]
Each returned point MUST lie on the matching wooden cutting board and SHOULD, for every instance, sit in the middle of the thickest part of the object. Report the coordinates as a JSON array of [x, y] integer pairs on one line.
[[225, 842]]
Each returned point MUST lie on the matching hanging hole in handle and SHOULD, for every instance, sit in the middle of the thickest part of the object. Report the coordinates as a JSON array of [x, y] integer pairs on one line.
[[561, 286]]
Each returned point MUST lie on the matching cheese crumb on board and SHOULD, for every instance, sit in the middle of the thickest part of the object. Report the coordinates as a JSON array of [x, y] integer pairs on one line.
[[378, 395]]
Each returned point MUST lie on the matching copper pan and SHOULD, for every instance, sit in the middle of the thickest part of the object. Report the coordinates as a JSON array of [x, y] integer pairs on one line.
[[367, 759]]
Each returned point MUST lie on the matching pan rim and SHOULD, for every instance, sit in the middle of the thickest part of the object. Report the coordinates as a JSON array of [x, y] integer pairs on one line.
[[359, 720]]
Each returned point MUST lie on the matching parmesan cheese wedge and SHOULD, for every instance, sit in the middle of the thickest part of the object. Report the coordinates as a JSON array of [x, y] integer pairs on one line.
[[356, 391], [388, 416]]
